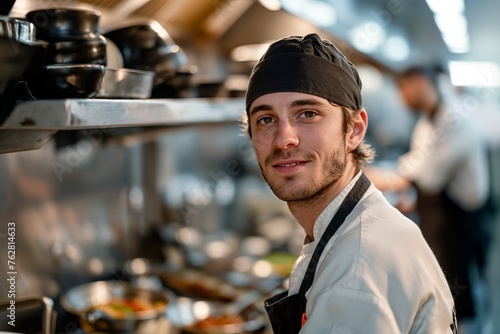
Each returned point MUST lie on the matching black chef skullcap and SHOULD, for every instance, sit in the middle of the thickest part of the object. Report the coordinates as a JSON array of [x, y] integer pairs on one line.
[[306, 64]]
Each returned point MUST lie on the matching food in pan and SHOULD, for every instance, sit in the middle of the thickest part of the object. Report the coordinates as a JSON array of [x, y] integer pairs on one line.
[[120, 308], [220, 321]]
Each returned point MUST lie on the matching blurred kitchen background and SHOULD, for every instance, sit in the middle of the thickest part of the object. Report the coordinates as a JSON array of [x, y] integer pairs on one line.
[[190, 196]]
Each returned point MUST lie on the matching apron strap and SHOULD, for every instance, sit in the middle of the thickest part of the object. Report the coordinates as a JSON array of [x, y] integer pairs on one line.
[[344, 210]]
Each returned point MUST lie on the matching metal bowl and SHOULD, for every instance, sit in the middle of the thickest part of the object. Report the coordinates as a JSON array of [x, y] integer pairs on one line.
[[83, 298], [125, 83], [64, 23], [17, 30]]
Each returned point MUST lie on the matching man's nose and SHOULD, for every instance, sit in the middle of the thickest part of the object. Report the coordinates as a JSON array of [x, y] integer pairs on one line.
[[286, 136]]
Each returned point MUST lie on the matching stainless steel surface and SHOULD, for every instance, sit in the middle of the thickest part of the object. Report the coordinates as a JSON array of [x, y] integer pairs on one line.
[[20, 140], [72, 114], [126, 83], [32, 123], [17, 30]]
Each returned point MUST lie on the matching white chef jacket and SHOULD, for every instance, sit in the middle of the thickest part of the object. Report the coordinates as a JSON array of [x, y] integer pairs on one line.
[[449, 153], [376, 275]]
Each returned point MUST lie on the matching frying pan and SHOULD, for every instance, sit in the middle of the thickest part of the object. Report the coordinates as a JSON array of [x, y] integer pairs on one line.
[[80, 300]]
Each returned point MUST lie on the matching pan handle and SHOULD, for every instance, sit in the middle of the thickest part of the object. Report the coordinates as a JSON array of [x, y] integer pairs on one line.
[[49, 314]]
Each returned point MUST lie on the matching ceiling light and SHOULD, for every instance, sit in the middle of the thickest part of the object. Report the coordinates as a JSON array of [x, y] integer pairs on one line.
[[451, 23], [481, 74], [453, 29], [456, 43], [368, 36], [446, 6], [320, 13], [396, 48]]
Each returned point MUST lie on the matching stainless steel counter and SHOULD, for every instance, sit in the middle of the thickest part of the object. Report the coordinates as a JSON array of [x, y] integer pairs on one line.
[[31, 124]]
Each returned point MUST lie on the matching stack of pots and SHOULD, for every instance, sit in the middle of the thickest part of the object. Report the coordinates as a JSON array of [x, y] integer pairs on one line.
[[147, 46], [75, 59]]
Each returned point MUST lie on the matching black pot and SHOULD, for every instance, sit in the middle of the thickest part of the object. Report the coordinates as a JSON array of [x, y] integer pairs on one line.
[[134, 43], [91, 51], [66, 81], [65, 24]]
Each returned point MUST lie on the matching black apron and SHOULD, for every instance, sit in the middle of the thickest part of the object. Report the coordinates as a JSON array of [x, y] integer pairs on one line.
[[288, 313], [457, 238]]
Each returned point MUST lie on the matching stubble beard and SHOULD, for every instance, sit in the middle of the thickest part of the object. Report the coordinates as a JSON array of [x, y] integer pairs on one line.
[[285, 189]]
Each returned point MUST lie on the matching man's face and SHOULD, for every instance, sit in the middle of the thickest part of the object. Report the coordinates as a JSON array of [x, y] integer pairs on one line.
[[299, 142], [412, 90]]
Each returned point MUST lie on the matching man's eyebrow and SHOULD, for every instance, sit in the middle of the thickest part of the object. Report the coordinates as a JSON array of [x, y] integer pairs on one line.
[[260, 107], [305, 102], [296, 103]]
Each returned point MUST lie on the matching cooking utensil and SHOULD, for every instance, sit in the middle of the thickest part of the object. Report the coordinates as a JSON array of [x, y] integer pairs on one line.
[[144, 47], [82, 301], [66, 81], [185, 313], [65, 24], [17, 30], [27, 303], [89, 51], [125, 83], [250, 320]]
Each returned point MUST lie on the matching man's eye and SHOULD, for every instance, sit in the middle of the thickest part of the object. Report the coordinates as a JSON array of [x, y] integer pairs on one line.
[[265, 120], [308, 114]]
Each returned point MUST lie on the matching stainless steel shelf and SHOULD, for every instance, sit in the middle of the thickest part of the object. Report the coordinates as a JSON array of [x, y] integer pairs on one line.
[[31, 124], [72, 114]]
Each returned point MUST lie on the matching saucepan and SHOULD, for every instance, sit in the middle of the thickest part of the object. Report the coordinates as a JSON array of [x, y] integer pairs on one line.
[[115, 306]]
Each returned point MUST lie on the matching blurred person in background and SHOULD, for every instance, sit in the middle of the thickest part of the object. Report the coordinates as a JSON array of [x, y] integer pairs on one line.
[[364, 267], [447, 163]]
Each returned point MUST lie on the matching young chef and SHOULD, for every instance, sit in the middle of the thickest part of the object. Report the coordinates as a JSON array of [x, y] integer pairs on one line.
[[364, 267]]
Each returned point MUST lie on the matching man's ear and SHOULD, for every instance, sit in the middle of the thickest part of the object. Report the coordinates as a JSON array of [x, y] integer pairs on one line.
[[357, 132]]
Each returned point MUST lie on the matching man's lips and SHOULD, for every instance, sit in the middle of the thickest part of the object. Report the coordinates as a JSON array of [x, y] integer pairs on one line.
[[288, 165]]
